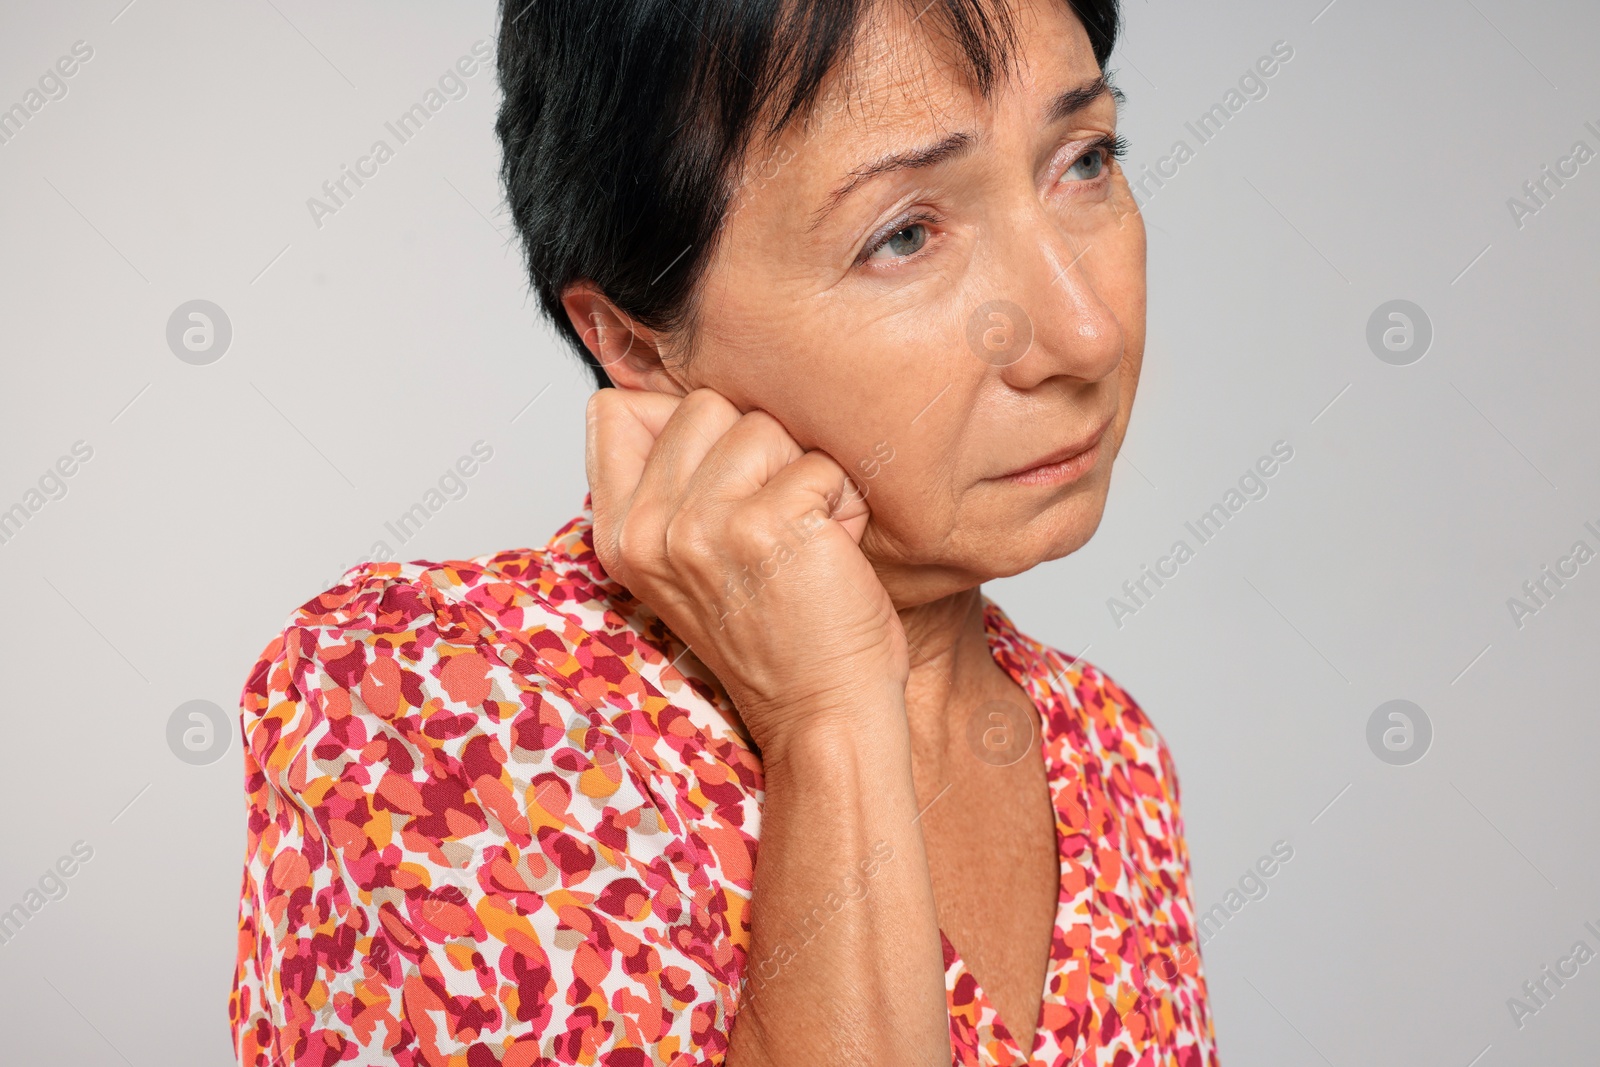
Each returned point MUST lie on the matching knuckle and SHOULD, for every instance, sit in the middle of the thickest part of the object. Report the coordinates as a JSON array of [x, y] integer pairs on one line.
[[631, 547], [763, 425], [824, 463], [746, 540], [703, 399], [684, 540]]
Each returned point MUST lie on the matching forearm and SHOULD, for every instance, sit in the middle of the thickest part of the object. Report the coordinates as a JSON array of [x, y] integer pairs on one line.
[[846, 964]]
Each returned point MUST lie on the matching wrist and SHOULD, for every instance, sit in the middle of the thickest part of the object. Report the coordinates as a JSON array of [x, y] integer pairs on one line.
[[864, 727]]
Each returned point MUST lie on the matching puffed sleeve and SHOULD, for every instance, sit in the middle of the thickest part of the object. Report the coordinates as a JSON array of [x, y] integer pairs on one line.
[[455, 858]]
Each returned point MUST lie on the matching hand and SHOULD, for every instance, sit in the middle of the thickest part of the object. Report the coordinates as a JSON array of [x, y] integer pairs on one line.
[[748, 547]]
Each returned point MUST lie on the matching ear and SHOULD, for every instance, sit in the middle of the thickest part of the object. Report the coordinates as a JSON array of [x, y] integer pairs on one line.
[[631, 353]]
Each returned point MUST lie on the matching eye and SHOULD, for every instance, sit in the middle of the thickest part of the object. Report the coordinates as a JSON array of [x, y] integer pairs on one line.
[[1087, 167], [905, 241], [1096, 160]]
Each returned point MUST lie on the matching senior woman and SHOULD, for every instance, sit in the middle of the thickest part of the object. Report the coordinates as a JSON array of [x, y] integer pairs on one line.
[[742, 766]]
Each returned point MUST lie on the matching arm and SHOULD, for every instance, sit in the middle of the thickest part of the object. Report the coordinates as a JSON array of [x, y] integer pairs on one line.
[[845, 963], [748, 547], [446, 861]]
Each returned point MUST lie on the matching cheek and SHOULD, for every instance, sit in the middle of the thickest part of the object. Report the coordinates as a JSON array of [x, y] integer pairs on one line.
[[886, 397], [845, 376]]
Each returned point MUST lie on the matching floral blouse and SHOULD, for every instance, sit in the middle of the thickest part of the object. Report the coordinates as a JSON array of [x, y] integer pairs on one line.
[[496, 820]]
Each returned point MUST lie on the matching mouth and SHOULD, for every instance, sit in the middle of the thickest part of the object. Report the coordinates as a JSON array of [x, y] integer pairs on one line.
[[1064, 465]]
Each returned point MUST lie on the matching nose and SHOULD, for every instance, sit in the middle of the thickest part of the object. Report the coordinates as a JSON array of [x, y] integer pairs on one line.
[[1068, 328]]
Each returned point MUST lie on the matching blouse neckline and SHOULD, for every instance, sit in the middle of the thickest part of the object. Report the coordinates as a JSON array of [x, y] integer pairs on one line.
[[1093, 912], [1056, 731]]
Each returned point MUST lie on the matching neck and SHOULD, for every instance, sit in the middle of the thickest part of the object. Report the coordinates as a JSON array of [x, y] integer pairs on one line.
[[952, 672]]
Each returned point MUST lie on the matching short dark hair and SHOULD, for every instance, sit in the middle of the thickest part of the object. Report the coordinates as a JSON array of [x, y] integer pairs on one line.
[[624, 123]]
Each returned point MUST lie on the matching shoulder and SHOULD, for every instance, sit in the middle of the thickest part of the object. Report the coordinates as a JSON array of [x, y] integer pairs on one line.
[[414, 615], [1116, 721], [422, 614], [469, 749], [419, 668], [526, 674], [1129, 749]]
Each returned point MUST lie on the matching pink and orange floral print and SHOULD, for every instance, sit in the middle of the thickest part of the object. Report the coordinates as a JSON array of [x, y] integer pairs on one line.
[[497, 820]]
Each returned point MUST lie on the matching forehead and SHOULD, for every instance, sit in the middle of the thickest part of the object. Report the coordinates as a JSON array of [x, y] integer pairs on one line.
[[906, 83]]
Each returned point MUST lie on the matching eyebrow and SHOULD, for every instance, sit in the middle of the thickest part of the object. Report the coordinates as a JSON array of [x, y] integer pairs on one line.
[[1066, 104], [1072, 101]]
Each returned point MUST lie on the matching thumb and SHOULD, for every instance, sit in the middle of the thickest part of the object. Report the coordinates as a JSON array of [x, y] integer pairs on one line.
[[850, 510]]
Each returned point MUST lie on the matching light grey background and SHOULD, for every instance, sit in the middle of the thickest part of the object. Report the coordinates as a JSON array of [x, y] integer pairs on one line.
[[372, 351]]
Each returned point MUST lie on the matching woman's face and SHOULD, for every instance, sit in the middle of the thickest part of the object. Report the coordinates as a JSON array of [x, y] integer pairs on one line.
[[937, 328]]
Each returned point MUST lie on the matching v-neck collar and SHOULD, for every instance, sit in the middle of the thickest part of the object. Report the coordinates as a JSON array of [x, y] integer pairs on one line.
[[1064, 1008], [1084, 987]]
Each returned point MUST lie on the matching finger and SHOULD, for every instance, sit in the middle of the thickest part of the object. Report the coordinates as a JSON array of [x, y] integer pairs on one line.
[[621, 427], [816, 482], [743, 460], [694, 431]]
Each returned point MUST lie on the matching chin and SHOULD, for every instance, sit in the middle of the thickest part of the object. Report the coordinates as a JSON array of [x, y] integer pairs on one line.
[[1005, 542], [1058, 531]]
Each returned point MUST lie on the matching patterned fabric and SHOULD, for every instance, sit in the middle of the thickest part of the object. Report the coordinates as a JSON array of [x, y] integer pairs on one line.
[[496, 820]]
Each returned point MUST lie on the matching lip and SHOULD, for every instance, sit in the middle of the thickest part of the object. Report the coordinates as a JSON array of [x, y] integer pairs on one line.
[[1066, 464]]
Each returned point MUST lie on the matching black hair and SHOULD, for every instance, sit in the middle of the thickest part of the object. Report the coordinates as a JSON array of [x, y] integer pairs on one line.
[[623, 124]]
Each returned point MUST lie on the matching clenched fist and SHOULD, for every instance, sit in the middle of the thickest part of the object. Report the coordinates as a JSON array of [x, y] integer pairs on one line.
[[748, 547]]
